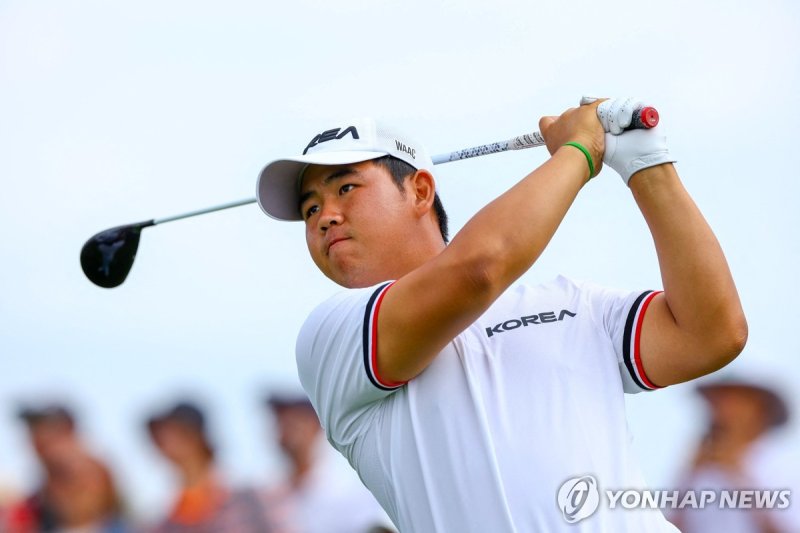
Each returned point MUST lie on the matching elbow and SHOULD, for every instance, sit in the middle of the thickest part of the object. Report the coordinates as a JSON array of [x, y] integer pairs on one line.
[[487, 274], [736, 332], [486, 269], [740, 334], [730, 340], [480, 275]]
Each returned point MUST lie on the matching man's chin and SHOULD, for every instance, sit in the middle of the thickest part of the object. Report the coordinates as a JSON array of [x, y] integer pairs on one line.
[[353, 280]]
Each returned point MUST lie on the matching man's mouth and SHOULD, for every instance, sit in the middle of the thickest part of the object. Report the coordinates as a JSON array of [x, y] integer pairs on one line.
[[334, 242]]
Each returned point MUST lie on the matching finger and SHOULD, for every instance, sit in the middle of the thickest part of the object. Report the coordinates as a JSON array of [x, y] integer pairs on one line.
[[604, 114], [614, 116], [619, 114], [610, 113], [625, 114], [592, 100], [545, 123]]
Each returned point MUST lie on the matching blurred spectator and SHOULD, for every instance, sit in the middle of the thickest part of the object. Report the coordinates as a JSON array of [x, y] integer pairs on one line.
[[319, 494], [737, 453], [7, 497], [77, 493], [204, 504]]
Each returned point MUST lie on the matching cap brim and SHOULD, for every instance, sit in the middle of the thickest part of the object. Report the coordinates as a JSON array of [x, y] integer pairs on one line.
[[28, 415], [280, 402], [32, 415], [156, 422], [779, 411], [278, 186]]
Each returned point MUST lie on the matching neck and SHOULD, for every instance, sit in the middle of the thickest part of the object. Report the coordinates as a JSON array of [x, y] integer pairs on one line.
[[195, 470], [417, 254], [301, 466], [414, 253]]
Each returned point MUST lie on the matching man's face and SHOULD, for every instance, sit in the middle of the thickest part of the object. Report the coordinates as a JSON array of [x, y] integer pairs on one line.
[[298, 428], [176, 441], [356, 221], [737, 412], [49, 436]]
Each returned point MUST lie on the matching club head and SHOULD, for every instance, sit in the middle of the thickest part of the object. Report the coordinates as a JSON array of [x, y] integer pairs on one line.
[[107, 257]]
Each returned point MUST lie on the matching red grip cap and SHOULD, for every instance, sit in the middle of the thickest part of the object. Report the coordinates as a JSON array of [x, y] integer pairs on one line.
[[649, 117]]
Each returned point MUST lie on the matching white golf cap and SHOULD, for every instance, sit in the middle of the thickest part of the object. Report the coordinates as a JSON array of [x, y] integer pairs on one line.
[[278, 187]]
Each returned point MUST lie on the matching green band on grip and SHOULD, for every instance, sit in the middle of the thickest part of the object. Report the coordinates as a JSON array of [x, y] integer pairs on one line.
[[580, 147]]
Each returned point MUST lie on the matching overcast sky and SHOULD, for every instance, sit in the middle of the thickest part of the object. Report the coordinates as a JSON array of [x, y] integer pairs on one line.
[[115, 112]]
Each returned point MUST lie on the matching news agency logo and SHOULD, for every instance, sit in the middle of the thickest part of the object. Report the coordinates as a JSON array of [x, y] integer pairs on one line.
[[578, 498]]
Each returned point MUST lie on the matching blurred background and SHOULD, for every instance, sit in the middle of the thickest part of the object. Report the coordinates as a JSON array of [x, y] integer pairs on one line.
[[112, 113]]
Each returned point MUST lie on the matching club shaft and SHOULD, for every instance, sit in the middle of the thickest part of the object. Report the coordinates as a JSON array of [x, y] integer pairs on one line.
[[528, 140], [646, 117], [517, 143], [237, 203], [643, 118]]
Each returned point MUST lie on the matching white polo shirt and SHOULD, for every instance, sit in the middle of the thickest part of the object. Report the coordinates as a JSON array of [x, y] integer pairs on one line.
[[528, 396]]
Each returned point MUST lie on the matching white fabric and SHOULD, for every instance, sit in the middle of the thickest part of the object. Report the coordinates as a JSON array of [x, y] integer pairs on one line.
[[774, 462], [616, 114], [769, 465], [636, 150], [330, 499], [528, 396], [628, 152], [353, 141]]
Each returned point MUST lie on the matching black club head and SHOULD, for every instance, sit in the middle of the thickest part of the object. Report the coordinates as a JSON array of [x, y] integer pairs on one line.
[[108, 256]]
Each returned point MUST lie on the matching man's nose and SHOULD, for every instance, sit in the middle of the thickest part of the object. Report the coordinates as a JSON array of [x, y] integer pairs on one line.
[[331, 215]]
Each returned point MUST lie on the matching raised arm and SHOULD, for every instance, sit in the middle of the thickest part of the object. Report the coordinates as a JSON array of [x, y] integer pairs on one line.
[[696, 325], [425, 309]]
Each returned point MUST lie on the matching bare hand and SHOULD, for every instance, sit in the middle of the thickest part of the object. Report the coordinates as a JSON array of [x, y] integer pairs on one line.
[[578, 124]]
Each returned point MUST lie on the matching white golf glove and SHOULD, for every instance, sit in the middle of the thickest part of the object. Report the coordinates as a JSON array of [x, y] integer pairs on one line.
[[630, 151]]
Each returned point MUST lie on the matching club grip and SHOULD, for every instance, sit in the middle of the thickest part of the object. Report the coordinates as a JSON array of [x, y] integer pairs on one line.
[[644, 119]]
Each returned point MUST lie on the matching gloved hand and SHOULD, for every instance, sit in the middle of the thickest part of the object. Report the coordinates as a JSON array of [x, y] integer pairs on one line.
[[629, 151]]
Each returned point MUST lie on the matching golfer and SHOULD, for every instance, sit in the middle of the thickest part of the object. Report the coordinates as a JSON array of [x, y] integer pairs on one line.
[[464, 399]]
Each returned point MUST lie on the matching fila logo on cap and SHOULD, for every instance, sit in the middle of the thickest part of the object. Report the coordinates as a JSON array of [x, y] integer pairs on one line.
[[329, 135]]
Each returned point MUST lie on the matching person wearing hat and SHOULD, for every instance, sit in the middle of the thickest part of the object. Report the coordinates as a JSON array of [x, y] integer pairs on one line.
[[317, 494], [464, 398], [734, 453], [77, 492], [205, 503]]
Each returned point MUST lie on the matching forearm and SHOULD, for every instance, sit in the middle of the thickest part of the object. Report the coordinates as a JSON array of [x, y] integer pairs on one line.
[[492, 250], [448, 292], [507, 236], [504, 239], [699, 290]]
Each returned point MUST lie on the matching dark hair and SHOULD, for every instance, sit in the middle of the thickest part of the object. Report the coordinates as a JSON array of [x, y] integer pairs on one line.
[[188, 415], [400, 170], [49, 413]]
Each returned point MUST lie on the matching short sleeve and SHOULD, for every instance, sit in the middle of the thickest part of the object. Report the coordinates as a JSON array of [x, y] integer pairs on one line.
[[622, 314], [336, 362]]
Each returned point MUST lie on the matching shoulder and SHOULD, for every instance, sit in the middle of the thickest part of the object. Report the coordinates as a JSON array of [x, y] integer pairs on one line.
[[334, 363], [344, 305], [577, 285], [559, 288], [590, 290], [560, 283], [338, 319]]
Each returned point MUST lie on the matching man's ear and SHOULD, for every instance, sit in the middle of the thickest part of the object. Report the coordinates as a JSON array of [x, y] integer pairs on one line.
[[423, 189]]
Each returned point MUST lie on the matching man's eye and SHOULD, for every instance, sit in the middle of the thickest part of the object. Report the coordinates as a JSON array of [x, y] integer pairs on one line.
[[311, 211], [346, 188]]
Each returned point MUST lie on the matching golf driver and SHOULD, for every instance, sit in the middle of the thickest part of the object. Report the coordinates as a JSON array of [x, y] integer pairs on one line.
[[108, 256]]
